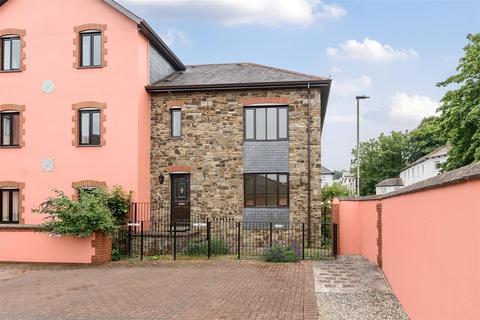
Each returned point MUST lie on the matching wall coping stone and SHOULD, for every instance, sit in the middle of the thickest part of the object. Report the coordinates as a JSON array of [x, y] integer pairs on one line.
[[463, 174]]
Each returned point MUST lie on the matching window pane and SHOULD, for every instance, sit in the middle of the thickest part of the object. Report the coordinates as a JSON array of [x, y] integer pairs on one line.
[[85, 128], [6, 125], [282, 190], [86, 50], [272, 124], [282, 123], [95, 138], [16, 129], [249, 190], [5, 206], [249, 121], [97, 49], [15, 205], [176, 123], [261, 190], [271, 190], [260, 125], [6, 54], [16, 54]]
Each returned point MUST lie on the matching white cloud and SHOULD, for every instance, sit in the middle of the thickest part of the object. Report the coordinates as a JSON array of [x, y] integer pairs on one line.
[[370, 50], [237, 12], [411, 108], [351, 87], [175, 36], [335, 69]]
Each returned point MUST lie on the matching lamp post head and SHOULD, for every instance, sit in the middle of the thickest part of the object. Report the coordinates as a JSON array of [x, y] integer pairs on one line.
[[362, 97]]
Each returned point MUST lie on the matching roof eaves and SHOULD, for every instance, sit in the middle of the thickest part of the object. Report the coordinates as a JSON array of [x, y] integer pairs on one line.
[[426, 157]]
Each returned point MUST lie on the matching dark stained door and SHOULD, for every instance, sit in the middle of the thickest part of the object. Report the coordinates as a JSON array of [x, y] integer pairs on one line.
[[181, 199]]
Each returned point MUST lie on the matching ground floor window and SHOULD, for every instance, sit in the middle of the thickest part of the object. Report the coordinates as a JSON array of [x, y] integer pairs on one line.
[[9, 205], [266, 190]]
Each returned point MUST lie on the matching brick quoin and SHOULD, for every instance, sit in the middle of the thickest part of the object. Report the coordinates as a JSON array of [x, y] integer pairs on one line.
[[102, 244], [379, 232], [261, 100]]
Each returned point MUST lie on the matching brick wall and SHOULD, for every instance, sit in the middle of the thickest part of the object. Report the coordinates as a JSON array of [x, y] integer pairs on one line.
[[102, 245]]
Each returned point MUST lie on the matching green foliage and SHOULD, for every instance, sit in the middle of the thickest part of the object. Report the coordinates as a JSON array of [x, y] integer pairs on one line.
[[460, 109], [200, 248], [79, 218], [280, 253], [424, 139], [118, 255], [333, 191], [118, 203], [337, 174], [381, 158]]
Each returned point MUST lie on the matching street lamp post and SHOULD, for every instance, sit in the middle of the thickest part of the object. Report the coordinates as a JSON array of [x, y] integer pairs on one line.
[[358, 142]]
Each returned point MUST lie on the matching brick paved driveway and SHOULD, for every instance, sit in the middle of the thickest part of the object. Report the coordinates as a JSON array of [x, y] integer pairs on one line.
[[159, 290]]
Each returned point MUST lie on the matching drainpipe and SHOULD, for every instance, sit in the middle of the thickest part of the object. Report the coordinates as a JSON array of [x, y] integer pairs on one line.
[[309, 195]]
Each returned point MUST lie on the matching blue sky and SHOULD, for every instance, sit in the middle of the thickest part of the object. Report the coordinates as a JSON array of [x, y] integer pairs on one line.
[[393, 51]]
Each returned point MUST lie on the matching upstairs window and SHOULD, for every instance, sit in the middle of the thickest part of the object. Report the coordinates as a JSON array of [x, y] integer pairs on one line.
[[9, 129], [266, 190], [91, 48], [266, 123], [176, 123], [9, 205], [11, 53], [89, 125]]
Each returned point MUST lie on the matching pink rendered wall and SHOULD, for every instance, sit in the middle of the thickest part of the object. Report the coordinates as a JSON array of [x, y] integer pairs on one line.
[[358, 228], [431, 251], [49, 56], [41, 248], [430, 248]]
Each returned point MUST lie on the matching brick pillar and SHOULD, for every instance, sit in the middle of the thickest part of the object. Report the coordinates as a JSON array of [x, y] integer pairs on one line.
[[103, 248], [379, 232], [336, 220]]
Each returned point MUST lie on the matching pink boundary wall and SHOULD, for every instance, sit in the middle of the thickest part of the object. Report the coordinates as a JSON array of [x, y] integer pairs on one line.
[[40, 247], [430, 247]]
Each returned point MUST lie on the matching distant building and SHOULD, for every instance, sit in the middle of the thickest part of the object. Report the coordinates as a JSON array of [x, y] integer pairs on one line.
[[389, 185], [327, 177], [426, 167], [348, 181]]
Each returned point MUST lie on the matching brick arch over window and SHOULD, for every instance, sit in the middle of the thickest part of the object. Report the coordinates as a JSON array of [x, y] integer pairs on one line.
[[265, 100], [87, 184], [76, 42], [21, 206], [21, 110], [22, 34], [76, 121]]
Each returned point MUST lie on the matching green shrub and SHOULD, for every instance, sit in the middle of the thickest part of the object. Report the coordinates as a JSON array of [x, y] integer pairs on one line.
[[118, 255], [280, 253], [118, 202], [80, 217], [200, 248]]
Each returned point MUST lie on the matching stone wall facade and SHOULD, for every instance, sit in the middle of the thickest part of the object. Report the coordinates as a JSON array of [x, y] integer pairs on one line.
[[212, 145]]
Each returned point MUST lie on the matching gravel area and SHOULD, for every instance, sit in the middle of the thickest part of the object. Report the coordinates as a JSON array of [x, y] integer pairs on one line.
[[352, 288]]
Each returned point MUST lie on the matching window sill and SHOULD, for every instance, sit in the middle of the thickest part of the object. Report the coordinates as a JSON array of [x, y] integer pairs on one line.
[[88, 146], [251, 140], [10, 71], [278, 207], [93, 67], [10, 147]]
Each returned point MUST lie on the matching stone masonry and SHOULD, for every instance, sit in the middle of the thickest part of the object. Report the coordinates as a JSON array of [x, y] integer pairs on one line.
[[212, 145]]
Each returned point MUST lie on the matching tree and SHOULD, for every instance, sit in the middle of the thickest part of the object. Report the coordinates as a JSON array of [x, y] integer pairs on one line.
[[424, 139], [381, 158], [333, 191], [460, 109], [337, 174]]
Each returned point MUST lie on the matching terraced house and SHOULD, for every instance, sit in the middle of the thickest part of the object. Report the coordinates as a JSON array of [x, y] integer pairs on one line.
[[93, 97]]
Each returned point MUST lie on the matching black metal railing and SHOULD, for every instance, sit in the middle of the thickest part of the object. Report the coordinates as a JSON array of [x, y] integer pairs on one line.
[[222, 237]]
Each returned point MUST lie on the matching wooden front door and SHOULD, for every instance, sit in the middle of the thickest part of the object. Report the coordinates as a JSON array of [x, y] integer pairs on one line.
[[180, 199]]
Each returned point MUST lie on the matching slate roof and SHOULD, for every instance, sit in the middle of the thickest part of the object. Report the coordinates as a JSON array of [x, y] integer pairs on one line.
[[390, 182], [326, 171], [234, 73], [442, 151]]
